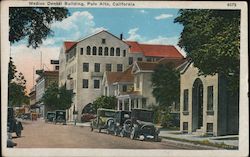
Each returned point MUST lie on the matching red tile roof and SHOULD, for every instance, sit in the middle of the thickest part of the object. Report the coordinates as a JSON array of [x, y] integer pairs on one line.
[[152, 65], [69, 44], [147, 65], [113, 76], [154, 50], [126, 76], [176, 62]]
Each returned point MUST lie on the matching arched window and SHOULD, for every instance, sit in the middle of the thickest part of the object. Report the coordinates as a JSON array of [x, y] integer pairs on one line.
[[88, 50], [94, 50], [117, 51], [100, 51], [112, 51], [106, 51]]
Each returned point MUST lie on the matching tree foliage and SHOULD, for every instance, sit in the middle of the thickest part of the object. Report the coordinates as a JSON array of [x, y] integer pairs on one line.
[[16, 87], [56, 98], [33, 23], [108, 102], [166, 85], [212, 39]]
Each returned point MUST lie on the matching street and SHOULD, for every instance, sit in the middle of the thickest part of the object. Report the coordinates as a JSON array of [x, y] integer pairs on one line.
[[38, 134]]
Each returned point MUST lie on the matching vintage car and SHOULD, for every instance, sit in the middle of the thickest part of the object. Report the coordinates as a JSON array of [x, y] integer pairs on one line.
[[60, 116], [102, 118], [10, 143], [13, 124], [141, 125], [115, 125], [50, 116]]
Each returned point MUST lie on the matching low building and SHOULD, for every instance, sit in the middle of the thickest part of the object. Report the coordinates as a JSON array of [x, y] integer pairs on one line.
[[205, 104]]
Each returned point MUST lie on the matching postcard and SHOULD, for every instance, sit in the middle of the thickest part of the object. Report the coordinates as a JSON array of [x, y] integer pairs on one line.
[[124, 78]]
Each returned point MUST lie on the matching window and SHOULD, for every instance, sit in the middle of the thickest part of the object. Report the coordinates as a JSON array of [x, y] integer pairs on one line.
[[209, 127], [130, 60], [137, 81], [106, 91], [149, 59], [97, 67], [185, 100], [96, 84], [124, 53], [112, 51], [139, 59], [81, 51], [185, 126], [103, 41], [85, 83], [124, 88], [94, 50], [119, 67], [108, 67], [117, 51], [106, 51], [144, 102], [88, 50], [210, 98], [100, 51], [85, 67], [132, 104]]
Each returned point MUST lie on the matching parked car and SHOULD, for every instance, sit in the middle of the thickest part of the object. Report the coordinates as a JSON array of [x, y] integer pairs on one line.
[[50, 116], [60, 117], [115, 125], [13, 124], [102, 118], [141, 125], [10, 143], [87, 117]]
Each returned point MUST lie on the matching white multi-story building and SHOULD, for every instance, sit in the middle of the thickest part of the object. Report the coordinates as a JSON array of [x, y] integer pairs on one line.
[[83, 63]]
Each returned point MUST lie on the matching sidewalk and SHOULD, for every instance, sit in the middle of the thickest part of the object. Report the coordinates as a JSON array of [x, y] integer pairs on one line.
[[220, 142], [226, 142]]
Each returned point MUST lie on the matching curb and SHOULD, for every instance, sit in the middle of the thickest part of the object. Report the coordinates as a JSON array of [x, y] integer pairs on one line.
[[190, 144]]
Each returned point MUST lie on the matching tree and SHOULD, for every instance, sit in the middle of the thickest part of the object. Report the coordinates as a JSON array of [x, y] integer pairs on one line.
[[108, 102], [65, 98], [33, 23], [166, 85], [212, 39], [166, 90], [56, 98], [50, 97], [16, 87]]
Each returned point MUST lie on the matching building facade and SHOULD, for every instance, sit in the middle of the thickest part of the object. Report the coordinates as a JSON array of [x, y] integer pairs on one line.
[[45, 79], [205, 104], [83, 65]]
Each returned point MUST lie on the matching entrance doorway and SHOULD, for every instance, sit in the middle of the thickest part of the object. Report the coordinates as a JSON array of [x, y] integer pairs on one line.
[[197, 105]]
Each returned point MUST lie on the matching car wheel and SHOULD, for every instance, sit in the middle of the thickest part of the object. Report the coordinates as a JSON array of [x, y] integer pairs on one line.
[[132, 135], [156, 138], [122, 133]]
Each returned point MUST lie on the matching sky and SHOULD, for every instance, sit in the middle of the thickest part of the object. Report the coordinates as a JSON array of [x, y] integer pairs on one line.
[[153, 26]]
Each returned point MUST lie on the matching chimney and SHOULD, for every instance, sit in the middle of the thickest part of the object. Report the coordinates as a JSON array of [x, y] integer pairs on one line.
[[121, 36]]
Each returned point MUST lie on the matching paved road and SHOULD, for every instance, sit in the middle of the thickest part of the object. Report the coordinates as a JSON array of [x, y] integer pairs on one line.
[[38, 134]]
